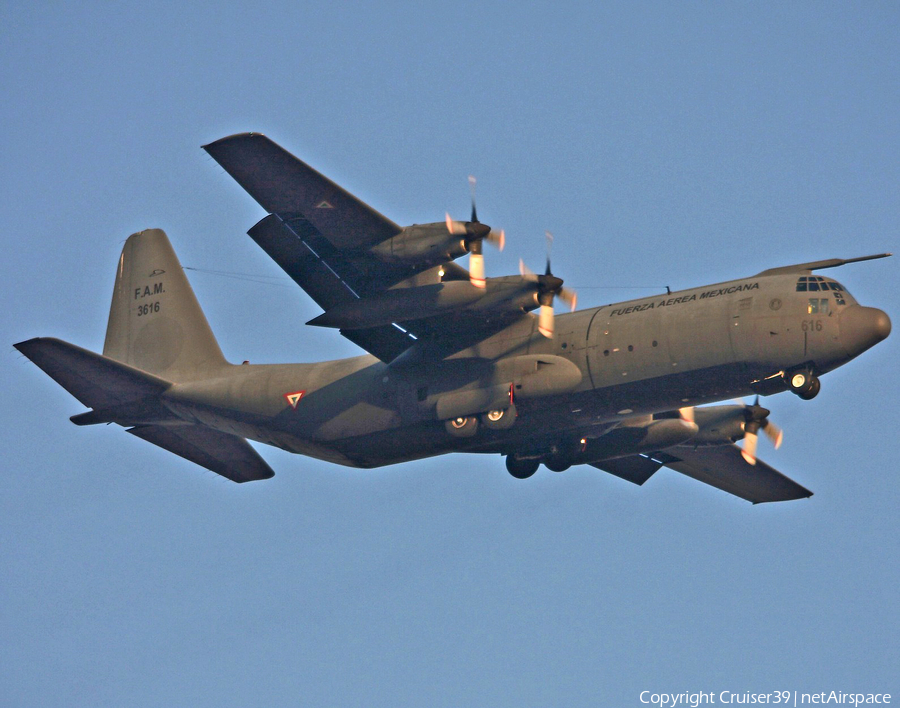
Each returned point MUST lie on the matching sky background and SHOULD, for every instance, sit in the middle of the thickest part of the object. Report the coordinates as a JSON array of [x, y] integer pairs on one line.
[[663, 143]]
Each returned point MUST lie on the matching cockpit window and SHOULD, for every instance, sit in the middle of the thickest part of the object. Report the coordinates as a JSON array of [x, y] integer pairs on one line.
[[817, 306], [816, 283]]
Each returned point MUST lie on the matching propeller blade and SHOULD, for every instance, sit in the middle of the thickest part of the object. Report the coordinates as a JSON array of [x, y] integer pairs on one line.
[[774, 433], [570, 297], [751, 440], [497, 238], [476, 269], [545, 321], [526, 273], [549, 248], [687, 414], [457, 228], [472, 190]]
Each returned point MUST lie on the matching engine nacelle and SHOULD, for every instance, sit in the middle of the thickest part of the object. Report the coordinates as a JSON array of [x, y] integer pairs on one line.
[[501, 296], [422, 245], [719, 425], [635, 438]]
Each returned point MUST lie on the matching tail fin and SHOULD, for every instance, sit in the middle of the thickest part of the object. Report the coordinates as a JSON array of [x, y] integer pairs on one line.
[[155, 322]]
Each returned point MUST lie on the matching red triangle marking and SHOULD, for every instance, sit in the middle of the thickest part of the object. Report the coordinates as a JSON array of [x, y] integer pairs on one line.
[[294, 398]]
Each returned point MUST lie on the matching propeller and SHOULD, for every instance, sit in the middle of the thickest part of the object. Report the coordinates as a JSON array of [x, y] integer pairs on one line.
[[476, 234], [756, 418], [549, 287]]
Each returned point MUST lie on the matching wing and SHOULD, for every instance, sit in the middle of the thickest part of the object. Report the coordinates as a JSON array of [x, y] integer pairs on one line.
[[321, 236], [286, 186], [720, 466]]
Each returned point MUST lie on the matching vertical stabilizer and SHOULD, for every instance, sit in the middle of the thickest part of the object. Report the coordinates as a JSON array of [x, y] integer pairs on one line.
[[155, 322]]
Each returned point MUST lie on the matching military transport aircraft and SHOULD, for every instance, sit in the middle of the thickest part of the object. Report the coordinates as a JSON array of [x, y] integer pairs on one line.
[[457, 362]]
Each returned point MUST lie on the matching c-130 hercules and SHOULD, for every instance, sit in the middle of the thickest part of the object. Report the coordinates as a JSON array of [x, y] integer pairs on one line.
[[457, 362]]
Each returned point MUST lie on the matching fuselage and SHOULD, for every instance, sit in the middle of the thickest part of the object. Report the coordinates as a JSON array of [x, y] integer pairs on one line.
[[629, 359]]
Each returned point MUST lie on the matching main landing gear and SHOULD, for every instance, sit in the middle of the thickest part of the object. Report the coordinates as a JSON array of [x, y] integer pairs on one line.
[[804, 383], [467, 426], [521, 467], [500, 419]]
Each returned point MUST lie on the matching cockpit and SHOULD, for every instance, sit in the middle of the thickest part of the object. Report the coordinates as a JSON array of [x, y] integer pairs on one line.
[[822, 304]]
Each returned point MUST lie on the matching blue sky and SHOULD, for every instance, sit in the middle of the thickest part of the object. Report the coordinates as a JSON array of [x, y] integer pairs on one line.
[[662, 143]]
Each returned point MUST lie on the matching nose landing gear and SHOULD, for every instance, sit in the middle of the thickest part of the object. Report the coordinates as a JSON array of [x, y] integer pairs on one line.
[[804, 383]]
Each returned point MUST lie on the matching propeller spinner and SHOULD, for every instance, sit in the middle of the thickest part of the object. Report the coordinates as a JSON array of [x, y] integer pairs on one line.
[[549, 287], [475, 234], [756, 419]]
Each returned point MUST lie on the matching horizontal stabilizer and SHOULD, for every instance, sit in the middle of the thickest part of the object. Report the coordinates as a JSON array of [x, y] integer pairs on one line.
[[97, 381], [722, 466], [224, 454]]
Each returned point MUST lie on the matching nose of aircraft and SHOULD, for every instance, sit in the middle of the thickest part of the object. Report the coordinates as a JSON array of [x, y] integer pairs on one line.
[[863, 327]]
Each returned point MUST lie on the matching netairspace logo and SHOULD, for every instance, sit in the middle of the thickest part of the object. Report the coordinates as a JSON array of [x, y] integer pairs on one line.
[[785, 698]]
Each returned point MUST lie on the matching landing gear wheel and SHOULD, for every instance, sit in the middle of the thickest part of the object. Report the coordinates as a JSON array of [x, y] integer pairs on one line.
[[812, 391], [502, 419], [521, 467], [805, 384], [462, 427], [557, 463]]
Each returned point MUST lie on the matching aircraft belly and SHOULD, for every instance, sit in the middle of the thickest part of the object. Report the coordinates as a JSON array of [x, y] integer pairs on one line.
[[545, 420]]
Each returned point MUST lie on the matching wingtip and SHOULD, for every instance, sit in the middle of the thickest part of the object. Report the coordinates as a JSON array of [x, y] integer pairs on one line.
[[232, 138]]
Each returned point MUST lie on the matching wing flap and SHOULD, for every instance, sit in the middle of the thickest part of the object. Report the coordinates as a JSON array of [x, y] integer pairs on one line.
[[636, 469], [284, 185], [301, 262], [723, 467], [227, 455]]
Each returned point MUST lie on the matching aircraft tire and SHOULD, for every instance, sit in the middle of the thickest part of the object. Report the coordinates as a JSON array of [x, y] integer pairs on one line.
[[804, 383], [557, 463], [499, 419], [521, 467], [812, 390], [462, 427]]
